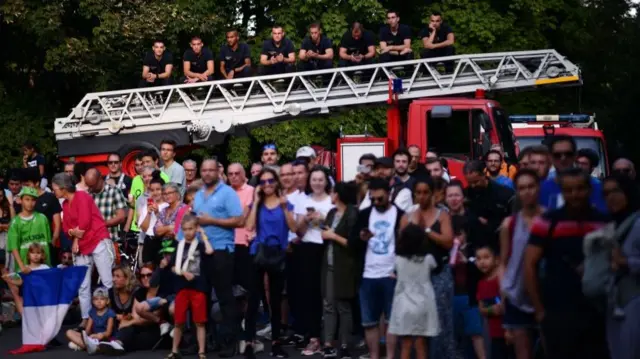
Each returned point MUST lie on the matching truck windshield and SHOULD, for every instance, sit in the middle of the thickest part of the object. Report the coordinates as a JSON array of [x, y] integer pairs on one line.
[[592, 143]]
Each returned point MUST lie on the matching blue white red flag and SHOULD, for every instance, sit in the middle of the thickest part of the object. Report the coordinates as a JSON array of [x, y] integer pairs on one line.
[[47, 295]]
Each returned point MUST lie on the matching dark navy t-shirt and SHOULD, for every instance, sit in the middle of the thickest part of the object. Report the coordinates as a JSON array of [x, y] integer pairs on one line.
[[100, 322], [357, 47], [441, 33], [272, 228], [403, 33], [234, 59], [157, 66], [319, 48], [270, 49], [198, 61]]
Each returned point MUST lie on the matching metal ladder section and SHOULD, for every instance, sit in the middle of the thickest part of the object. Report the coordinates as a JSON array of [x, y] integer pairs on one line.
[[218, 106]]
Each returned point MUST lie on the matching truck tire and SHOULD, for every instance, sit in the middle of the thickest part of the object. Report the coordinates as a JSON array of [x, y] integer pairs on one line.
[[128, 155]]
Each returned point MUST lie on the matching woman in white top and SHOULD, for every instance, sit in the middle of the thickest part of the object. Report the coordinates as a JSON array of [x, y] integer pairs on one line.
[[148, 207], [312, 211]]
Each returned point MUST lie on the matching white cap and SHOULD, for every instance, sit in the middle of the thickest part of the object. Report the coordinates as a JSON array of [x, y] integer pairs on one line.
[[306, 151]]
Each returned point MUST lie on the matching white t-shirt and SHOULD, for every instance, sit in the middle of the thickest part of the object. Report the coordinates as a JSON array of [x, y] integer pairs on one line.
[[404, 200], [294, 198], [379, 261], [142, 214], [314, 234]]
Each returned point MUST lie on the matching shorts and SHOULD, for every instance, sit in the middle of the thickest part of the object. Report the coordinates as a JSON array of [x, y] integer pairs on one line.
[[376, 298], [467, 318], [154, 303], [514, 318], [190, 299], [241, 266]]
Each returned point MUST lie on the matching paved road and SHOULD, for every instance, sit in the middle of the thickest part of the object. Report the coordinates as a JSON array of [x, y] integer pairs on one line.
[[11, 339]]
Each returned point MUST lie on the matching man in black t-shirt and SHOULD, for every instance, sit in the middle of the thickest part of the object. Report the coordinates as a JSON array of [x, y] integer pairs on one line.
[[32, 159], [316, 52], [197, 62], [357, 47], [157, 66], [235, 57], [438, 40], [395, 40], [278, 55]]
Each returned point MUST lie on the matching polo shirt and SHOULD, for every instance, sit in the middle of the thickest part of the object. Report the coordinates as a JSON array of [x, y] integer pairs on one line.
[[403, 33], [157, 66], [270, 49], [319, 48], [245, 193], [234, 58], [357, 47], [223, 203], [198, 61]]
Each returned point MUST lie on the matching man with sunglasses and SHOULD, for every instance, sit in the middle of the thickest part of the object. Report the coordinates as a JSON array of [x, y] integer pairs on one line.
[[563, 157], [116, 178], [625, 167]]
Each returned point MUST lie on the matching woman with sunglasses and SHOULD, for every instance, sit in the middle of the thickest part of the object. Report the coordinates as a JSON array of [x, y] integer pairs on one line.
[[271, 217], [312, 211]]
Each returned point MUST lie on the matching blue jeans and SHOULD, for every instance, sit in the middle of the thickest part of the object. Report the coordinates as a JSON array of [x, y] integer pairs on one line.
[[376, 298]]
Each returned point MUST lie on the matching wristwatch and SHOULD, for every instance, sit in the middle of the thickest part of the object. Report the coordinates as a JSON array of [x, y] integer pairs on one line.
[[427, 230]]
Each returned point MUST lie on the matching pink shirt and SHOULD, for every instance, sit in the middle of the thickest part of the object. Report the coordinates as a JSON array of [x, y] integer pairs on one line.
[[246, 197], [84, 214]]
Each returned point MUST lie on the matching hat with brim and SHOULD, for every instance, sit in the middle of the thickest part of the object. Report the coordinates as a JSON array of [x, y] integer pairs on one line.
[[28, 191]]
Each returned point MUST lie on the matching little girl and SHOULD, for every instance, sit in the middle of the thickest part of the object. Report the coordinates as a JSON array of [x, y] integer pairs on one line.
[[36, 257], [414, 315], [100, 325]]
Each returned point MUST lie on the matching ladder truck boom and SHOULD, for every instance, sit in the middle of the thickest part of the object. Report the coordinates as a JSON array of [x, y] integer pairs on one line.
[[223, 105]]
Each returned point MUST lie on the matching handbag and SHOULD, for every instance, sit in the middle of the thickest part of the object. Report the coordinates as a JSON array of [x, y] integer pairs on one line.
[[270, 257]]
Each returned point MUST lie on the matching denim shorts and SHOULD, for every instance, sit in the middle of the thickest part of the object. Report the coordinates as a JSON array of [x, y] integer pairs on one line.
[[467, 318], [154, 303], [376, 298], [514, 318]]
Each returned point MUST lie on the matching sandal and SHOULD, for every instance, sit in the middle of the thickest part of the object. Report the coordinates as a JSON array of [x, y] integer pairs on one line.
[[174, 356], [202, 356]]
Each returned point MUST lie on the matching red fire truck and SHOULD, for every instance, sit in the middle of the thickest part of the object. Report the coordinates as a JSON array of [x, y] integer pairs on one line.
[[424, 108]]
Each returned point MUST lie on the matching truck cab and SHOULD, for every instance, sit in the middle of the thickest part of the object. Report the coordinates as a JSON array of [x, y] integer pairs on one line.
[[531, 130]]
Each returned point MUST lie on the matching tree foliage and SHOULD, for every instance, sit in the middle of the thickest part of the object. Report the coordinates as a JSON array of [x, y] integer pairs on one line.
[[56, 51]]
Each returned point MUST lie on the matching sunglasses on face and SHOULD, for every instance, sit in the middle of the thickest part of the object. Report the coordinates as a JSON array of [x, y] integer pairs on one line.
[[268, 181], [113, 162], [565, 154], [146, 275]]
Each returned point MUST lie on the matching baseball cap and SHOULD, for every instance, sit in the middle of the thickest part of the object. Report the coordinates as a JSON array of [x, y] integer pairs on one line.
[[28, 191], [385, 162], [306, 151], [101, 292]]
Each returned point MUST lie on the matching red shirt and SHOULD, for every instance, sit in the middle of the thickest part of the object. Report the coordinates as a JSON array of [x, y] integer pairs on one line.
[[489, 293], [84, 214]]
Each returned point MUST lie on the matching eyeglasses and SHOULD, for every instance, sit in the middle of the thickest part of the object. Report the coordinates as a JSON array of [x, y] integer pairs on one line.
[[147, 275], [565, 154], [113, 162], [268, 181]]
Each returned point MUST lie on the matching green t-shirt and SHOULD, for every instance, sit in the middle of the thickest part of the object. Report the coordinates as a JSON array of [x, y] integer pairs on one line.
[[137, 189], [25, 231]]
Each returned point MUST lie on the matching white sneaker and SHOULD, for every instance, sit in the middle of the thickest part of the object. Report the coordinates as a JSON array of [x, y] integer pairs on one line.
[[258, 346], [73, 346], [90, 343], [265, 332], [242, 345], [164, 329]]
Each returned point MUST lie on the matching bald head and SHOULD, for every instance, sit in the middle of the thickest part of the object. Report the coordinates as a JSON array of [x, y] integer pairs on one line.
[[93, 180], [625, 167], [236, 174]]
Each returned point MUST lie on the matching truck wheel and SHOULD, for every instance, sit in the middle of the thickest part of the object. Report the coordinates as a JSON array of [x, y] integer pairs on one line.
[[128, 155]]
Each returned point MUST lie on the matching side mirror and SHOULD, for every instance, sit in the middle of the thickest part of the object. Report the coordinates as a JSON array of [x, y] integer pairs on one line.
[[441, 112]]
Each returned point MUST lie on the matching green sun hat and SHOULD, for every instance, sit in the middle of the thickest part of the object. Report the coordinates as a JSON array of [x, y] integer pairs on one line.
[[28, 191], [167, 247]]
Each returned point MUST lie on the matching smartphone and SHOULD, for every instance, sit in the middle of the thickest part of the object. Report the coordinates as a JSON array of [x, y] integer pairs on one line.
[[364, 169], [149, 201]]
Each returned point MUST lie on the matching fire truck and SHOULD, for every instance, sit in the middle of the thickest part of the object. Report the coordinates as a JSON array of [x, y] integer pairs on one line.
[[532, 130], [424, 107]]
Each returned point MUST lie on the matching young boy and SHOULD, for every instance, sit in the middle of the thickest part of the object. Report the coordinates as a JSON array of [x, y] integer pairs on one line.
[[26, 228], [187, 264], [489, 300]]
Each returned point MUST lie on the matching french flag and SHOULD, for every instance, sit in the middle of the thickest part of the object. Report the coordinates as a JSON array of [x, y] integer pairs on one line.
[[47, 295]]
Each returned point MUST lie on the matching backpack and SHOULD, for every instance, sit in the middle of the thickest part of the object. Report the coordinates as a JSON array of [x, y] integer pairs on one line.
[[598, 275]]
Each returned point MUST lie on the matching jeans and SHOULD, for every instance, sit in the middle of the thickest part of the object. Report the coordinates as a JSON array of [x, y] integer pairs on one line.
[[102, 257], [310, 287], [257, 292], [221, 278], [376, 298], [336, 311]]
